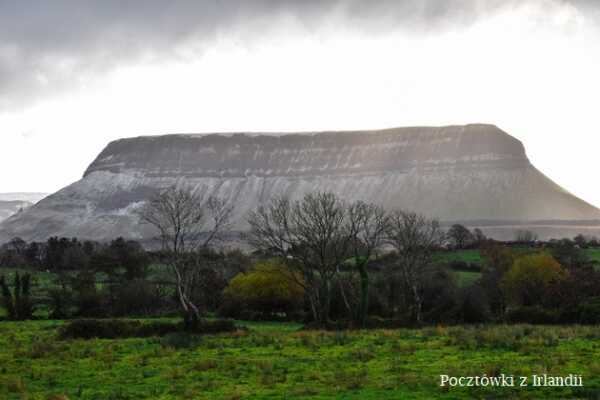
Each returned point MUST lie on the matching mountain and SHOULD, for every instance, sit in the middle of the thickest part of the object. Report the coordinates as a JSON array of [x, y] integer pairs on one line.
[[456, 173], [30, 197], [12, 203], [8, 208]]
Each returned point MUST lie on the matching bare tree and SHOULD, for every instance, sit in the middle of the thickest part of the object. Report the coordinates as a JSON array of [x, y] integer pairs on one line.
[[460, 235], [18, 245], [479, 236], [415, 238], [367, 225], [185, 224], [525, 236], [312, 236]]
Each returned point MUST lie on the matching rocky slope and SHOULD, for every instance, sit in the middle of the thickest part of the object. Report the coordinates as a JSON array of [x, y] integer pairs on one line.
[[8, 208], [455, 173]]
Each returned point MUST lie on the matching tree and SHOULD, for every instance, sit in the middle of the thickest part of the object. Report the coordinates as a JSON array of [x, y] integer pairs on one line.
[[414, 237], [479, 236], [34, 254], [74, 258], [527, 282], [18, 303], [122, 260], [185, 223], [18, 245], [312, 236], [125, 264], [265, 289], [86, 296], [581, 241], [498, 261], [525, 236], [56, 248], [367, 224], [569, 255], [12, 254], [460, 235]]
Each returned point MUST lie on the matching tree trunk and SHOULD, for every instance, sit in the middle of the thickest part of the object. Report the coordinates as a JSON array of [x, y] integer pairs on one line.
[[418, 304], [313, 299], [191, 313], [326, 307], [345, 299], [364, 295], [192, 317], [191, 320]]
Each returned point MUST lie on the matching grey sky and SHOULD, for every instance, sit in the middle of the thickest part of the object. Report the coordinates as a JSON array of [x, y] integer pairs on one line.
[[54, 45]]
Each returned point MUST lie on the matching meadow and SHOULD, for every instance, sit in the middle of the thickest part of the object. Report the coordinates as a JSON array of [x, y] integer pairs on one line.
[[266, 360], [283, 360]]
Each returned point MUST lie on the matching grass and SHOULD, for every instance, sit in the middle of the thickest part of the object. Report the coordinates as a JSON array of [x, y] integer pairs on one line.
[[467, 256], [594, 256], [463, 278], [276, 361], [466, 278]]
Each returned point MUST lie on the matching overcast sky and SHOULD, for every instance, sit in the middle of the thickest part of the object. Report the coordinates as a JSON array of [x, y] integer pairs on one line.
[[76, 74]]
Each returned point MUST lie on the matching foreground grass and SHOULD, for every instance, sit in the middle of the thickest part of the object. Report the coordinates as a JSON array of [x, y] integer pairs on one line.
[[275, 361]]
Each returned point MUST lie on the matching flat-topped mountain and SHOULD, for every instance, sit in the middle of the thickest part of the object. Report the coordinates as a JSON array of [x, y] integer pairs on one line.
[[311, 154], [454, 173]]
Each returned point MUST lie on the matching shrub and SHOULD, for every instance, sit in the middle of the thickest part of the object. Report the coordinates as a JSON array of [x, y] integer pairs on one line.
[[97, 328], [269, 288], [87, 300], [588, 312], [532, 315], [59, 303], [474, 307], [459, 265], [136, 297], [216, 326], [439, 296], [121, 328], [530, 277], [157, 328]]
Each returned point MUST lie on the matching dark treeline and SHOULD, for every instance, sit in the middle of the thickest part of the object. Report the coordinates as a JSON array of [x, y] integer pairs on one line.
[[318, 260], [89, 279]]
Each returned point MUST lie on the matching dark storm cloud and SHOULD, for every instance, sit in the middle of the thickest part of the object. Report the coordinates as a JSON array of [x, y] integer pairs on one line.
[[46, 46]]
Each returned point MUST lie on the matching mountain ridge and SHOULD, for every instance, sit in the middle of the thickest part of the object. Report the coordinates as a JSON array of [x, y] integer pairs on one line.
[[454, 173]]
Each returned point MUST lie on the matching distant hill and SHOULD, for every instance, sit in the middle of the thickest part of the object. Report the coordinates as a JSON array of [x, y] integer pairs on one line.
[[12, 203], [25, 196], [456, 173], [8, 208]]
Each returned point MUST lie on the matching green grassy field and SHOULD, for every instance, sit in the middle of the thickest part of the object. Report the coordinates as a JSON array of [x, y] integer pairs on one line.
[[466, 278], [279, 361], [468, 256]]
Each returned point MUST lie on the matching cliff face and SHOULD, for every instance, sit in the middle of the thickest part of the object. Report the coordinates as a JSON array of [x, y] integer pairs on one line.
[[305, 155], [456, 173]]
